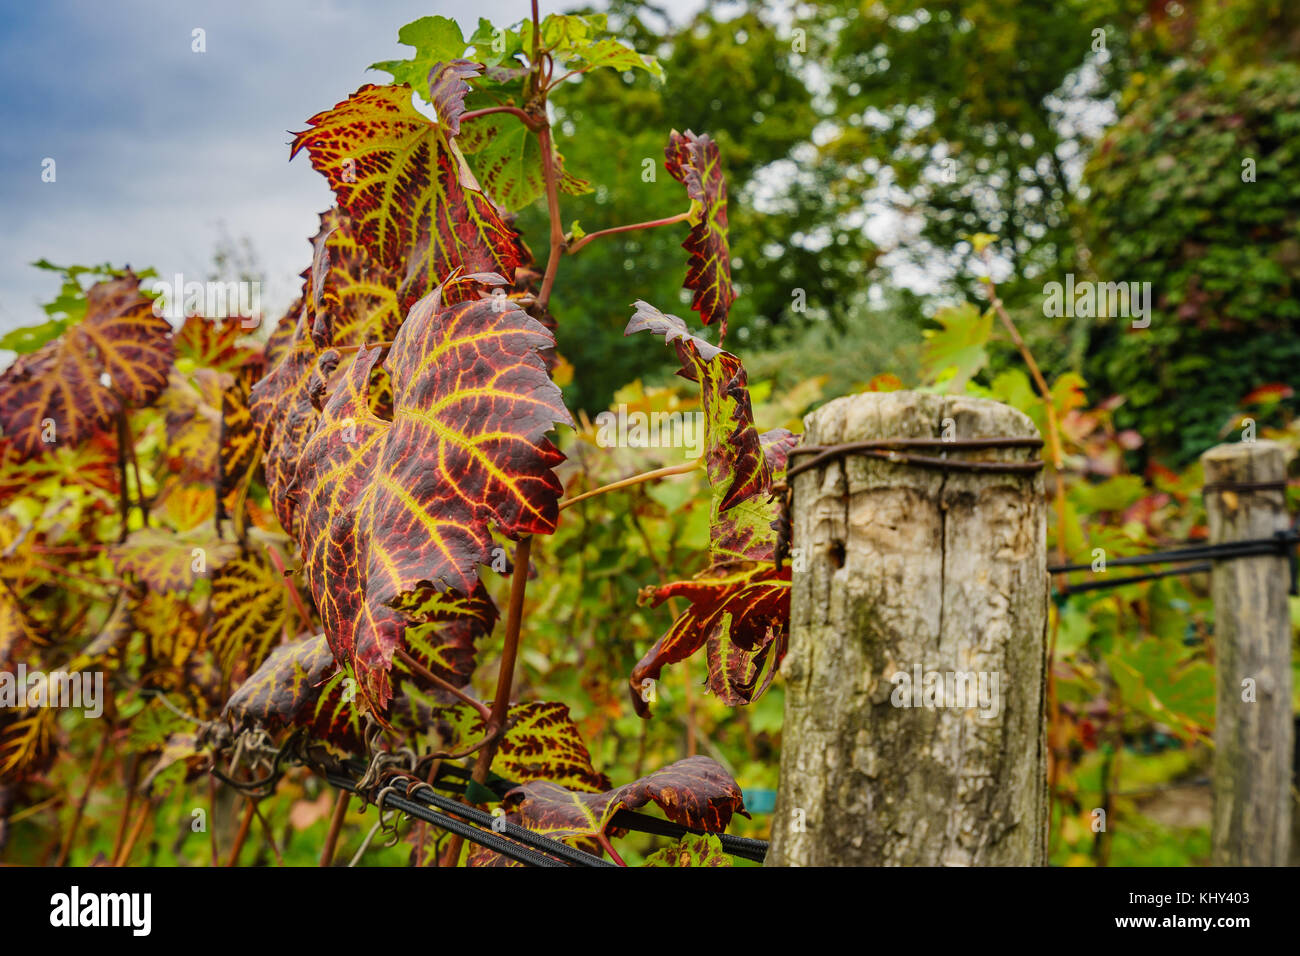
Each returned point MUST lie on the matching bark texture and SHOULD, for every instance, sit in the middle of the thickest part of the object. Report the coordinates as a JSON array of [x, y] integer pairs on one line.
[[911, 569], [1253, 740]]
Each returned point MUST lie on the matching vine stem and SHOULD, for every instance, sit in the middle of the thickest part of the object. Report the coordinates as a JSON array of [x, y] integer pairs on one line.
[[289, 585], [244, 825], [437, 681], [140, 819], [96, 763], [125, 437], [651, 224], [266, 832], [124, 502], [131, 775], [336, 825], [603, 840], [527, 120], [505, 679], [212, 815], [1053, 430], [645, 476], [544, 142]]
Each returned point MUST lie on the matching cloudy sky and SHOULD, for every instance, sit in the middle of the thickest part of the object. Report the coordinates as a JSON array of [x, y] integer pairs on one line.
[[157, 148]]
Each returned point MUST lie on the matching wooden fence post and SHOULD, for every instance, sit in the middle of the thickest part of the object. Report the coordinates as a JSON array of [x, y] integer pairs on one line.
[[907, 573], [1253, 729]]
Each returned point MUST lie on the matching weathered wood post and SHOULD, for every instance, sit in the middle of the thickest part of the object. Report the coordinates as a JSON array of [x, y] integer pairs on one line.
[[912, 576], [1245, 499]]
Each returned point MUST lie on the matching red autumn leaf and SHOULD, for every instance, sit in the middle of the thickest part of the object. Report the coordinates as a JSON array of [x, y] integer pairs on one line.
[[71, 388], [301, 685], [733, 448], [215, 344], [357, 299], [448, 89], [747, 531], [695, 163], [395, 509], [92, 466], [285, 685], [467, 446], [542, 743], [405, 185], [695, 792], [283, 413], [743, 616], [237, 453], [284, 405], [281, 336]]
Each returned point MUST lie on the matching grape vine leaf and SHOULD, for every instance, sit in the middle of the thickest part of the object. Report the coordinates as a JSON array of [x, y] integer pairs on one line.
[[693, 849], [742, 614], [214, 344], [541, 743], [408, 190], [583, 41], [72, 387], [358, 297], [737, 467], [436, 40], [169, 562], [285, 684], [507, 160], [957, 347], [745, 532], [249, 611], [284, 416], [695, 792], [694, 162], [448, 89], [300, 684], [392, 509]]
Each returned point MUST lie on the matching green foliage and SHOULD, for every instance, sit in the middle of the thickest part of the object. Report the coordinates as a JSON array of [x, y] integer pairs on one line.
[[67, 308], [435, 39], [1171, 206]]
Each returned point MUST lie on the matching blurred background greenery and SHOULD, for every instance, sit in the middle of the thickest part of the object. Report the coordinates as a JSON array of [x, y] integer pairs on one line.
[[1104, 139]]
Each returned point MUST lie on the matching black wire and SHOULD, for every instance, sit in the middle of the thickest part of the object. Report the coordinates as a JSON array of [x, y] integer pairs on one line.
[[485, 838], [1229, 549], [1136, 579], [522, 835], [1281, 544], [745, 847]]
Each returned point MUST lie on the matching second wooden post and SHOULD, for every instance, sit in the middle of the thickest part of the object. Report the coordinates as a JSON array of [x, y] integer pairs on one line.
[[1245, 499]]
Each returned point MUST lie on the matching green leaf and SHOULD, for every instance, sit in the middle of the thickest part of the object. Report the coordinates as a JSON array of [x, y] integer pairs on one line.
[[506, 158], [694, 849], [957, 344], [436, 40], [1166, 683], [493, 45], [585, 39], [32, 337], [1114, 494]]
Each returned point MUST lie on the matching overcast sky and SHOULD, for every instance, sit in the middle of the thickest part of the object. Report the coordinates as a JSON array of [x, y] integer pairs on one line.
[[157, 146]]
